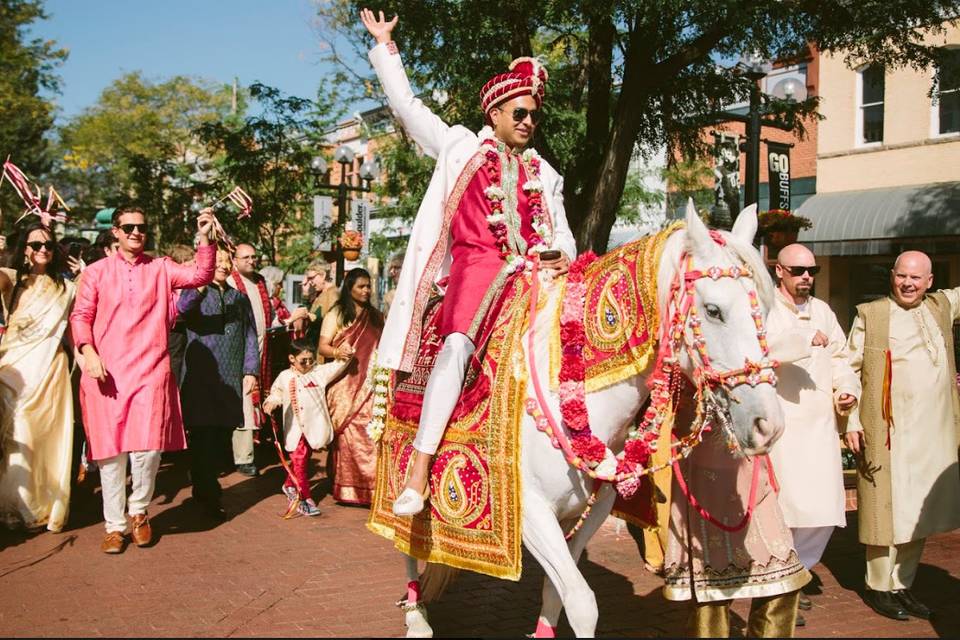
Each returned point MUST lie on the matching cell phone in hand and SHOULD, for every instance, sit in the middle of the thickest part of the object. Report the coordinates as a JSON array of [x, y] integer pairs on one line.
[[551, 254]]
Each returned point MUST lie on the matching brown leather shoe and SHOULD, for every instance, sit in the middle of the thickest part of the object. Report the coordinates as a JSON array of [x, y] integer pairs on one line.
[[113, 542], [142, 534]]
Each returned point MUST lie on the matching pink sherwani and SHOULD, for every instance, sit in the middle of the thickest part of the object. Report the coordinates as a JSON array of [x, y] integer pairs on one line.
[[124, 310]]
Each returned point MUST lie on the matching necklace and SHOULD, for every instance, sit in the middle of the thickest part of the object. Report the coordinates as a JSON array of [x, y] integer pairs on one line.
[[503, 168]]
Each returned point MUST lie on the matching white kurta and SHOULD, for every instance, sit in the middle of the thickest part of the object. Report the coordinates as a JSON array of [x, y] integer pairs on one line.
[[312, 420], [428, 252], [807, 456], [260, 322], [924, 439]]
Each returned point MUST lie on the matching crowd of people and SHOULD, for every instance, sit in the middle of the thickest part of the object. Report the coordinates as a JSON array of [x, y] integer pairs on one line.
[[112, 356], [175, 352]]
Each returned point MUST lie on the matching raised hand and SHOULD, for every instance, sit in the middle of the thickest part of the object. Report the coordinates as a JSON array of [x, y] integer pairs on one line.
[[380, 28], [205, 225]]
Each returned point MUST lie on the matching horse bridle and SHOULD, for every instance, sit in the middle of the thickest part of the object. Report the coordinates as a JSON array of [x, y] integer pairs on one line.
[[685, 313]]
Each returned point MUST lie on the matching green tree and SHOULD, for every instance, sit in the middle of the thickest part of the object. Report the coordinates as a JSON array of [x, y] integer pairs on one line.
[[405, 176], [268, 154], [139, 144], [622, 72], [27, 72]]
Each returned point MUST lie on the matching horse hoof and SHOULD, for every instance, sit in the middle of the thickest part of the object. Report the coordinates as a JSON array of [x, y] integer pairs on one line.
[[417, 625]]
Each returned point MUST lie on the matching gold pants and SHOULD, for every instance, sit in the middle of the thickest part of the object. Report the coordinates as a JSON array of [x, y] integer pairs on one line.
[[893, 568], [771, 617]]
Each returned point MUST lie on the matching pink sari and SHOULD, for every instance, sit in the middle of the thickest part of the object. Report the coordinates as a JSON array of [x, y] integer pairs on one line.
[[350, 401]]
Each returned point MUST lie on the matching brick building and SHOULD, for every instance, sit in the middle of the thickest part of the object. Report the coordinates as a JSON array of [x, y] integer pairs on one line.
[[888, 175]]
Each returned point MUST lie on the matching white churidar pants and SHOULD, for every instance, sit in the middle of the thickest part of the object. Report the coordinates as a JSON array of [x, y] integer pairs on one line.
[[810, 543], [893, 568], [113, 483], [443, 391]]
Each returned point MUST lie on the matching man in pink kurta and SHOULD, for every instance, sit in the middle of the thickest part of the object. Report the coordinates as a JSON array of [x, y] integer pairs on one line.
[[128, 394]]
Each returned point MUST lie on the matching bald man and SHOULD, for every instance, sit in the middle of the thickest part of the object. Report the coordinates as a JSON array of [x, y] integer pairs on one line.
[[905, 430], [814, 391]]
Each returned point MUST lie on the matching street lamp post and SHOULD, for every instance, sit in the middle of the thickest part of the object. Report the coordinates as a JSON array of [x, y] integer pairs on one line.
[[751, 189], [754, 68], [368, 173]]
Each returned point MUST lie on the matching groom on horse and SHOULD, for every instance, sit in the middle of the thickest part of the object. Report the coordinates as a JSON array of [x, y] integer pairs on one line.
[[493, 207]]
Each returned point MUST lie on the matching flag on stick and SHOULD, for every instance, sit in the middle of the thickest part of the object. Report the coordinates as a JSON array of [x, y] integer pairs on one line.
[[31, 196]]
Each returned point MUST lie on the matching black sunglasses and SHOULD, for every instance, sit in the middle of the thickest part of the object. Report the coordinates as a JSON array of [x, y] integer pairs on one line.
[[36, 245], [796, 272], [128, 228], [520, 114]]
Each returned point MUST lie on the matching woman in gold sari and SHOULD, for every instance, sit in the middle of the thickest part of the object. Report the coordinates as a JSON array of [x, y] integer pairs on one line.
[[351, 330], [36, 404]]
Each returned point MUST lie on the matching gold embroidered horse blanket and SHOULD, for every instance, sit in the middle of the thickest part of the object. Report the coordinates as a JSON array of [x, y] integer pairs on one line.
[[473, 516], [473, 520]]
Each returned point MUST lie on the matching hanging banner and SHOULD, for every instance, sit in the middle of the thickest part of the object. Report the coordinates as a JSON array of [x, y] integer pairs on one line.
[[778, 171], [360, 216], [726, 171], [322, 221]]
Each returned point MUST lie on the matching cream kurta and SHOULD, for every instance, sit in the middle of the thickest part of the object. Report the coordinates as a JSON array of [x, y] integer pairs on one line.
[[260, 323], [312, 420], [807, 456], [923, 447]]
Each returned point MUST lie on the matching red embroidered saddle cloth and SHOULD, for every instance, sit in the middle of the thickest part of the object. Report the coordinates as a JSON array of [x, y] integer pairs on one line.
[[473, 517]]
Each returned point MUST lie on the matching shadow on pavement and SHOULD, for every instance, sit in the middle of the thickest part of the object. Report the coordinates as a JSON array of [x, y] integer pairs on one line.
[[478, 605]]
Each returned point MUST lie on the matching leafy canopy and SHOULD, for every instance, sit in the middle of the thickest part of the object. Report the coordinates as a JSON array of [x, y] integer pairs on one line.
[[625, 75]]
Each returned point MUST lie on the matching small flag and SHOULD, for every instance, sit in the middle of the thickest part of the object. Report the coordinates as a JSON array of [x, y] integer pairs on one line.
[[242, 200], [31, 196]]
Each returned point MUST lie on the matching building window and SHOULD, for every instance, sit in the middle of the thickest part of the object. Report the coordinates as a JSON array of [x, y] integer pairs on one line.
[[871, 104], [947, 100]]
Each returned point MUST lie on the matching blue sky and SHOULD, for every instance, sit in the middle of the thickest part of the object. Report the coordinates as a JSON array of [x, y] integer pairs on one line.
[[270, 41]]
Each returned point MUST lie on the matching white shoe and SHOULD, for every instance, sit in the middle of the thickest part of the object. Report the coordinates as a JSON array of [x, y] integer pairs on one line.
[[410, 503]]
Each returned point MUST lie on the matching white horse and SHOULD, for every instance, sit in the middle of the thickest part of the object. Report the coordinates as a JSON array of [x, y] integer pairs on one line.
[[554, 496]]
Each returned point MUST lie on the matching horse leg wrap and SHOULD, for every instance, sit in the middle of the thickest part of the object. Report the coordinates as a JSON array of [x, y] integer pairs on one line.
[[413, 592], [544, 630]]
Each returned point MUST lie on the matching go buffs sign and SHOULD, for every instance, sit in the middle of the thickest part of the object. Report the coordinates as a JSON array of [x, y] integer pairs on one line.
[[778, 165]]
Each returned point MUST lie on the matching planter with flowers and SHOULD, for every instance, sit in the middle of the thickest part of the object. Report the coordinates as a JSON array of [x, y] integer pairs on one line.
[[781, 228], [351, 241]]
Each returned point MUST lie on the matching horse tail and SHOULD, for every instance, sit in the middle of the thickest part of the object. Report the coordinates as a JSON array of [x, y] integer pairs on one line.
[[435, 580]]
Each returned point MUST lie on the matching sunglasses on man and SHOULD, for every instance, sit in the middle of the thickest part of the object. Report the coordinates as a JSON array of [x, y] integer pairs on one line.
[[129, 228], [796, 272], [520, 114], [36, 245]]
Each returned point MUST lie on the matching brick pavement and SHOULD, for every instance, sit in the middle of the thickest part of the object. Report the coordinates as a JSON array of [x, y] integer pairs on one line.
[[257, 575]]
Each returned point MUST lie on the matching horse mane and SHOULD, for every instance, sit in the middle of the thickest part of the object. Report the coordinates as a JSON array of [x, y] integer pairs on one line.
[[735, 249]]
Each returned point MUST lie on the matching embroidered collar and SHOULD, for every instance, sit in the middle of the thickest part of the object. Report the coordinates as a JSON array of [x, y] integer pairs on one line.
[[487, 136]]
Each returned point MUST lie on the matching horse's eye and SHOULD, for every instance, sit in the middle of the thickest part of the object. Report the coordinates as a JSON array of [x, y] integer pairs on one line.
[[714, 312]]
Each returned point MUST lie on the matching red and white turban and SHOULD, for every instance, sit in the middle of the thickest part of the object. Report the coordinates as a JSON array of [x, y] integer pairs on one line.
[[526, 77]]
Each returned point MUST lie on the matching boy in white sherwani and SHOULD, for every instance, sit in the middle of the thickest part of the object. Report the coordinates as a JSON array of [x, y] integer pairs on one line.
[[302, 392]]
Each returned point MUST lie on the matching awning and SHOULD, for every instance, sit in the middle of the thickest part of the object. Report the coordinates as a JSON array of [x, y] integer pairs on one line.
[[877, 221]]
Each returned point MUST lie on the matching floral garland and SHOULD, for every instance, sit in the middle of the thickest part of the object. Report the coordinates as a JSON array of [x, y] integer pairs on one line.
[[381, 380], [504, 223], [573, 405]]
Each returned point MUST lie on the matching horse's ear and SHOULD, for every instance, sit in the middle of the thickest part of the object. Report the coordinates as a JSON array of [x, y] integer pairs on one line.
[[745, 227], [698, 236]]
